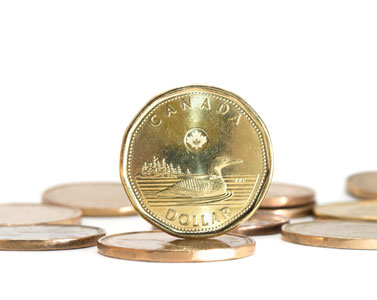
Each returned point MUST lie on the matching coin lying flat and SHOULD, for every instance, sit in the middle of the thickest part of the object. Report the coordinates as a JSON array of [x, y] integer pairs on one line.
[[361, 210], [287, 195], [48, 237], [291, 212], [33, 214], [261, 224], [93, 198], [333, 234], [363, 185], [184, 168], [158, 246]]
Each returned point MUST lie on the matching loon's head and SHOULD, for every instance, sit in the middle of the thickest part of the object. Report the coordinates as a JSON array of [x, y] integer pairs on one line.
[[221, 162]]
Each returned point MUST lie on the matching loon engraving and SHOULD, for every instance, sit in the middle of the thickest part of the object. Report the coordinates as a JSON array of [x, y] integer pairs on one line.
[[208, 186]]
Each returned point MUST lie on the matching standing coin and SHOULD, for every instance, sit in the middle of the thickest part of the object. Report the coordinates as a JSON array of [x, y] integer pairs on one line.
[[48, 237], [361, 210], [287, 195], [93, 198], [33, 214], [261, 224], [290, 212], [158, 246], [363, 185], [333, 234], [183, 164]]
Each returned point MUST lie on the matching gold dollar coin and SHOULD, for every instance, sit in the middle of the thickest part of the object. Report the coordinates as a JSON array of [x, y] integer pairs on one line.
[[196, 161]]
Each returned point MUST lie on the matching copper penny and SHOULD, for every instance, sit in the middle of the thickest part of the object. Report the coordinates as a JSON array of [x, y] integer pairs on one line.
[[333, 234], [360, 210], [290, 212], [260, 224], [48, 237], [287, 195], [158, 246], [93, 198], [33, 214], [363, 185]]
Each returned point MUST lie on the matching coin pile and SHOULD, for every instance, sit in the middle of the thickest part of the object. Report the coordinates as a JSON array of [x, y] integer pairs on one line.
[[184, 170]]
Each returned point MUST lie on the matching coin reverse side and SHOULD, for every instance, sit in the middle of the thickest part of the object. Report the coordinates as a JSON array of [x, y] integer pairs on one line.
[[93, 198], [360, 210], [333, 234], [48, 237], [158, 246], [33, 214], [363, 185], [196, 161], [287, 195]]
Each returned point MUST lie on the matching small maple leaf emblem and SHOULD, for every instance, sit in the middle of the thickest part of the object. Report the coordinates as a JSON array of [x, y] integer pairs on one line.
[[196, 139]]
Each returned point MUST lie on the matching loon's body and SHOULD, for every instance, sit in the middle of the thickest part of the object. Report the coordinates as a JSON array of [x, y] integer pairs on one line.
[[209, 186]]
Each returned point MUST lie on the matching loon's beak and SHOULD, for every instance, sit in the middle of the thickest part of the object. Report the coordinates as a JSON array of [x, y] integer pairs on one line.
[[235, 161]]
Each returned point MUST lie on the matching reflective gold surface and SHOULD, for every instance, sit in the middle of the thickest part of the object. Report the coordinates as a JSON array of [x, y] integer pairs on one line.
[[360, 210], [196, 161], [158, 246], [333, 234], [48, 237], [33, 214], [287, 195], [290, 212], [363, 185], [261, 224], [93, 198]]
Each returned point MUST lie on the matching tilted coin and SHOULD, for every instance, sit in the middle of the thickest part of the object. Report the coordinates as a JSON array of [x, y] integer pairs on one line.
[[333, 234], [158, 246], [33, 214], [290, 212], [261, 224], [93, 198], [287, 195], [48, 237], [363, 185], [360, 210], [196, 161]]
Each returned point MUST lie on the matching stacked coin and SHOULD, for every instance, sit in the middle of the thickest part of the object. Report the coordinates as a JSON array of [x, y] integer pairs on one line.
[[291, 201], [363, 185]]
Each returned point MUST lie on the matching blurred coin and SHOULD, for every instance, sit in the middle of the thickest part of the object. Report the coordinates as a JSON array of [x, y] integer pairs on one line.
[[260, 224], [158, 246], [287, 195], [93, 198], [361, 210], [48, 237], [333, 234], [363, 185], [33, 214], [291, 212]]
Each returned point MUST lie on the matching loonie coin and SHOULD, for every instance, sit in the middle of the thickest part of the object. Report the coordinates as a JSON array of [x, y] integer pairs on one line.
[[48, 237], [287, 195], [290, 212], [333, 234], [93, 198], [33, 214], [361, 210], [196, 161], [261, 224], [158, 246], [363, 185]]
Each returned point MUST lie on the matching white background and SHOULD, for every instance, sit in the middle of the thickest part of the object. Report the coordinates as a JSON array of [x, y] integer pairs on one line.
[[74, 73]]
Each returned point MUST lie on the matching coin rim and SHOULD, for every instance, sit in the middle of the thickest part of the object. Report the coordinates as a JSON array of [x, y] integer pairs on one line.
[[291, 212], [126, 147], [168, 256], [91, 211], [357, 191], [74, 220], [326, 241], [270, 228], [286, 201], [52, 244]]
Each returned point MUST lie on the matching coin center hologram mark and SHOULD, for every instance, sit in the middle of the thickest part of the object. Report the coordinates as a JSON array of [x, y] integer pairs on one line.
[[196, 140]]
